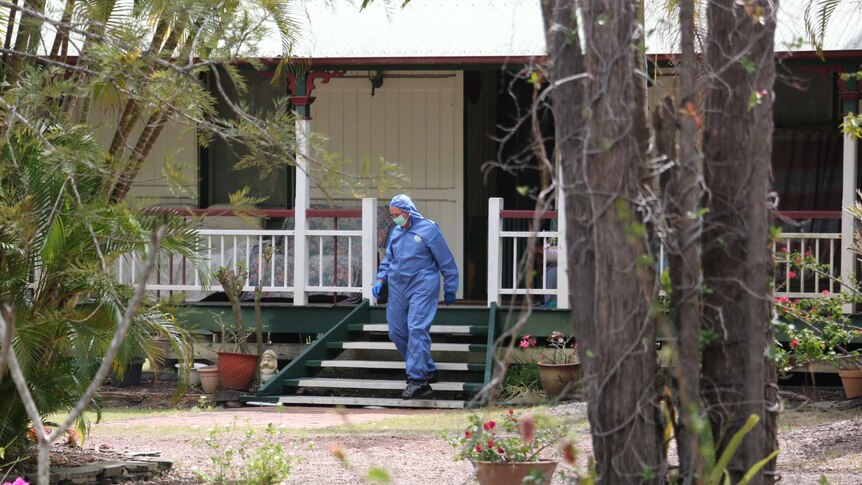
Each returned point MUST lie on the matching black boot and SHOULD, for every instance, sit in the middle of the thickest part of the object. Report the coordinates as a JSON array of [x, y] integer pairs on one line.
[[417, 390]]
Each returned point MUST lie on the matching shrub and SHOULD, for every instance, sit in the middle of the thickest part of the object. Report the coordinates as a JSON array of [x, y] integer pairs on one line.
[[254, 457]]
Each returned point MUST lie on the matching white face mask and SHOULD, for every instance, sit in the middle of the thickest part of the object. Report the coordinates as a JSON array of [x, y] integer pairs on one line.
[[400, 220]]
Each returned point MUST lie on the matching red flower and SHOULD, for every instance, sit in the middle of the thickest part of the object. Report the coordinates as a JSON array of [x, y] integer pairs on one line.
[[783, 249], [791, 274], [490, 443], [478, 448], [569, 452], [794, 343], [489, 425], [500, 450], [467, 434], [798, 259], [512, 411], [807, 253]]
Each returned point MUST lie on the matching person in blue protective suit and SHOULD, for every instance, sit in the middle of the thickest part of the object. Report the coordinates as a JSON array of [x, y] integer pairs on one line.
[[416, 256]]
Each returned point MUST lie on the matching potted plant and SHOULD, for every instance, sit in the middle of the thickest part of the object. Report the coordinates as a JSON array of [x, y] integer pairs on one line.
[[817, 329], [559, 367], [236, 369], [507, 450]]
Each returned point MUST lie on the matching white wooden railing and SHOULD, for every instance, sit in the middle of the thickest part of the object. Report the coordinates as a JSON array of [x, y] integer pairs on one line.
[[506, 248], [792, 282], [350, 266]]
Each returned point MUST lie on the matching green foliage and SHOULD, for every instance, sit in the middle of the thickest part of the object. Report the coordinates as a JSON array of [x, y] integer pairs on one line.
[[816, 329], [254, 457], [715, 468], [378, 475], [522, 380]]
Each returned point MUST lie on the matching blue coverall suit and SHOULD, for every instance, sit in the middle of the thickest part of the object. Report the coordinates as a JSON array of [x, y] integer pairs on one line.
[[415, 258]]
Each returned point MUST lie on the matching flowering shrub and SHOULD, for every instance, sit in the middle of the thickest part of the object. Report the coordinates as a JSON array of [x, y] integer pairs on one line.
[[512, 438], [560, 350], [816, 328], [252, 457], [18, 481]]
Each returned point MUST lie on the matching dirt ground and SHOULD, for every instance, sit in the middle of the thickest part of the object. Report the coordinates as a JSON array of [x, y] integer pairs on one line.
[[817, 439]]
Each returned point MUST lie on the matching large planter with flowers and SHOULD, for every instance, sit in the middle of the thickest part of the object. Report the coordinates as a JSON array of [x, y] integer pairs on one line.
[[510, 451], [559, 380], [559, 367], [512, 473]]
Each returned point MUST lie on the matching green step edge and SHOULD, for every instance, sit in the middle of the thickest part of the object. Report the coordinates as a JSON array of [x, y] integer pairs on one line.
[[471, 367], [471, 348], [473, 329], [468, 386]]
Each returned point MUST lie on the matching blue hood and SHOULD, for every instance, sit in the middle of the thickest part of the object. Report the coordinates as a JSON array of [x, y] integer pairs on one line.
[[405, 203]]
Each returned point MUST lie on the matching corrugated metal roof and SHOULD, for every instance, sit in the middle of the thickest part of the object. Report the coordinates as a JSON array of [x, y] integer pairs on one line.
[[844, 32], [493, 29], [424, 28]]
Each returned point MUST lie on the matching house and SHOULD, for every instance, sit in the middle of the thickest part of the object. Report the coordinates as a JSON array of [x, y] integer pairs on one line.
[[439, 88]]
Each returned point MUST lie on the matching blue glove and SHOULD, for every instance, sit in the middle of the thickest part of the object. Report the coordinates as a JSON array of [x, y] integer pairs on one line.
[[449, 298], [376, 289]]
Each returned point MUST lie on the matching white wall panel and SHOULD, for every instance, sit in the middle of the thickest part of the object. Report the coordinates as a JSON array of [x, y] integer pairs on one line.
[[416, 120]]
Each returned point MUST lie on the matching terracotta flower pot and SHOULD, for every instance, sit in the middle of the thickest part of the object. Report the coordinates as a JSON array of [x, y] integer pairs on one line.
[[209, 378], [236, 371], [512, 473], [852, 381], [559, 378]]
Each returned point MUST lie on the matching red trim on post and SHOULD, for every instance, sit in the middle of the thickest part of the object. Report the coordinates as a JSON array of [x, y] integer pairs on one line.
[[302, 100], [849, 95]]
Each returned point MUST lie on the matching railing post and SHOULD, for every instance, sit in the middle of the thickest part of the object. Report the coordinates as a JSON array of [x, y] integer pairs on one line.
[[495, 205], [369, 247], [563, 250], [301, 203], [848, 224]]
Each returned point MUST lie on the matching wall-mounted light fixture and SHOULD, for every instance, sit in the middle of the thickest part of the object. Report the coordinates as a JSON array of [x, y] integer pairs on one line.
[[376, 78]]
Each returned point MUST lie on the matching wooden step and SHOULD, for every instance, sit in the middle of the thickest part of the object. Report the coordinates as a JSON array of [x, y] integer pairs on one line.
[[435, 329], [364, 401], [377, 384], [391, 346], [393, 364]]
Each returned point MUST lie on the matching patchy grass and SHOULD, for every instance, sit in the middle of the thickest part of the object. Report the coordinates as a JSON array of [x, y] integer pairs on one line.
[[122, 414], [812, 416]]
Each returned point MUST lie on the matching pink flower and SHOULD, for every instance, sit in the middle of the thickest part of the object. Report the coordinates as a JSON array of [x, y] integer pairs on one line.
[[825, 293], [794, 343], [528, 427], [808, 253], [791, 274], [783, 299], [524, 344], [783, 249], [18, 481]]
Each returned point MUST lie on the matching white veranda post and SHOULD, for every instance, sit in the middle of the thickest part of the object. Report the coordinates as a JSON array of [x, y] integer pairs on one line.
[[369, 247], [563, 251], [300, 206], [848, 260], [495, 205]]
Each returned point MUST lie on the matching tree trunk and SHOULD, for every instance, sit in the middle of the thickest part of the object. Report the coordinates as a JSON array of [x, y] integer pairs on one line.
[[737, 378], [611, 287]]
